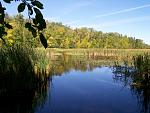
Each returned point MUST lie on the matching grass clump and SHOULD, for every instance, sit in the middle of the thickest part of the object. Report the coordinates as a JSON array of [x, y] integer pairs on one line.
[[17, 69]]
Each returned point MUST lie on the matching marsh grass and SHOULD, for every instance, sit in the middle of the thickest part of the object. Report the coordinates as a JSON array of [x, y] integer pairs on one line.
[[142, 67], [22, 87], [100, 52], [142, 63], [137, 76], [16, 60], [17, 69]]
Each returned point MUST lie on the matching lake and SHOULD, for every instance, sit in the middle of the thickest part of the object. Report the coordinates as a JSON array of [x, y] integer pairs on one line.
[[91, 91], [81, 85]]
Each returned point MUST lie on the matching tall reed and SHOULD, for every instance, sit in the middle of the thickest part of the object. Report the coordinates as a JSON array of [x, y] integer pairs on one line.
[[17, 69]]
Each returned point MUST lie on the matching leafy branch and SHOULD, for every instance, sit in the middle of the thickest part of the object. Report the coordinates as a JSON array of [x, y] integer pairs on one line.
[[35, 25]]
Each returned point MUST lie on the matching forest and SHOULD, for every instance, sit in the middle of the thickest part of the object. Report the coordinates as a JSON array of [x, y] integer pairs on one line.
[[63, 36]]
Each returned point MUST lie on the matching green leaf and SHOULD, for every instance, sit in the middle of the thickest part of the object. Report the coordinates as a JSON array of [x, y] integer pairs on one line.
[[42, 24], [34, 21], [7, 1], [21, 7], [2, 29], [8, 26], [30, 9], [38, 4], [28, 25], [34, 33], [37, 11], [43, 40], [38, 15], [30, 28], [3, 8]]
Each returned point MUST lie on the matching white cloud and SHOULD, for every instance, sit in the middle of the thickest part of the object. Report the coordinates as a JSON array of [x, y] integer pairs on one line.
[[123, 11]]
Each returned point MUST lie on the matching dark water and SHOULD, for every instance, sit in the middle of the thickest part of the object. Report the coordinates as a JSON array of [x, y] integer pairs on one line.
[[80, 85]]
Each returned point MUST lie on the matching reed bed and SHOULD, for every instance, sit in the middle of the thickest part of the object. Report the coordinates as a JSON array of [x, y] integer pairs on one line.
[[137, 77], [99, 53], [142, 67], [17, 70], [138, 70]]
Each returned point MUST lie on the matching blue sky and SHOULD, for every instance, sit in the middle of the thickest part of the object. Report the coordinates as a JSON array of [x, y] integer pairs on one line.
[[129, 17]]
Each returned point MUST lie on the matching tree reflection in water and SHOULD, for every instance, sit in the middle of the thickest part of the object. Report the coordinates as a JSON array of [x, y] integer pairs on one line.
[[65, 63], [17, 95], [128, 76], [27, 92], [138, 82]]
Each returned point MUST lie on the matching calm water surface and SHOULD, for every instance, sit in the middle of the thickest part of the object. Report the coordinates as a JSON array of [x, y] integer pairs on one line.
[[79, 85], [92, 91]]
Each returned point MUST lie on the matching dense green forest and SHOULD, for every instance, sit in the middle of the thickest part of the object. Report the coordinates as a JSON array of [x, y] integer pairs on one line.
[[62, 36]]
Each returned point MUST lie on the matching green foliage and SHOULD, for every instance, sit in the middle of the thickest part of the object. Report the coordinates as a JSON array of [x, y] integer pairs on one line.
[[7, 1], [35, 25], [60, 36], [43, 40], [20, 80], [3, 24], [142, 63], [21, 61], [138, 71], [30, 28], [21, 7], [56, 35]]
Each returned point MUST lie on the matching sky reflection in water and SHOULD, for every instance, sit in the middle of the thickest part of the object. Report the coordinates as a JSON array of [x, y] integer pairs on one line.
[[89, 92]]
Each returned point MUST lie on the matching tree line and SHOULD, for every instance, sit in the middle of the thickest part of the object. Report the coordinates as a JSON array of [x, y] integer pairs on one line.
[[63, 36]]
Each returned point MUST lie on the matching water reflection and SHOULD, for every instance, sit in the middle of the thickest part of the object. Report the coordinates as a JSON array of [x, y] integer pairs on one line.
[[85, 86], [19, 95], [65, 63], [139, 84], [123, 74]]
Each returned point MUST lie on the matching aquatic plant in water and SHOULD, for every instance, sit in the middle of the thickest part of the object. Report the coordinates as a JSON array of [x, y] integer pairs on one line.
[[138, 78], [20, 86]]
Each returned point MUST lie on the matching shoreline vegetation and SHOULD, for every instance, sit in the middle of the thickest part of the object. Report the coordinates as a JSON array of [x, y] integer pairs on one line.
[[135, 62], [22, 70], [13, 59], [22, 89], [103, 54], [26, 69], [27, 72]]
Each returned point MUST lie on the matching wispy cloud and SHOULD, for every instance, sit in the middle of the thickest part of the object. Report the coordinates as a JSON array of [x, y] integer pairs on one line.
[[125, 21], [123, 11], [116, 22]]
